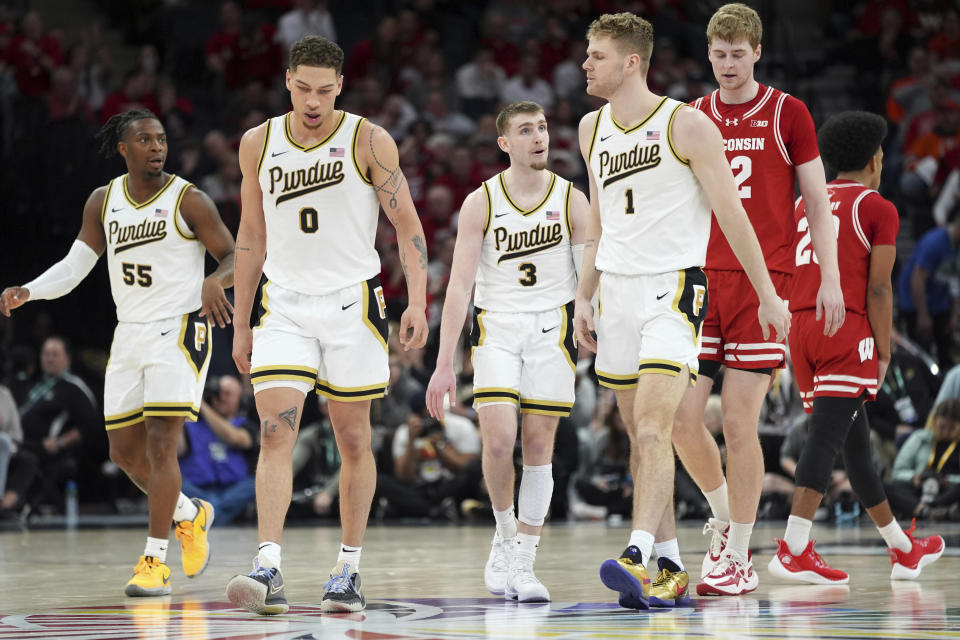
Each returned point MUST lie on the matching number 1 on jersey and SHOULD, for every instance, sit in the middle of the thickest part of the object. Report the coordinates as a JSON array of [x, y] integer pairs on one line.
[[629, 209]]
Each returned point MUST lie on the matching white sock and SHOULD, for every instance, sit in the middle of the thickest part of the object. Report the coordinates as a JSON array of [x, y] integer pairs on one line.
[[797, 535], [186, 509], [719, 502], [506, 523], [527, 546], [156, 548], [351, 556], [738, 538], [669, 549], [269, 555], [642, 540], [894, 536]]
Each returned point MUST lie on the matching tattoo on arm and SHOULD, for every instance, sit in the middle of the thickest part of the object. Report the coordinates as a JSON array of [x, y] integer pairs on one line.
[[421, 246], [394, 181], [290, 417], [239, 248]]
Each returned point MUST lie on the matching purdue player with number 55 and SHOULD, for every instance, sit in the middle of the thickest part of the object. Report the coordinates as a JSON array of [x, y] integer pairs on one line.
[[313, 184], [155, 228]]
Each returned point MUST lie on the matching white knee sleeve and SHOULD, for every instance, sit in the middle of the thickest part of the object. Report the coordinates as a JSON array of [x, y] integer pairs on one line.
[[536, 489]]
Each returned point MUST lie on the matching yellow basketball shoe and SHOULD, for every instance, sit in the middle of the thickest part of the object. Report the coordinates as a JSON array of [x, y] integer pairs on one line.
[[192, 534], [629, 577], [671, 587], [150, 578]]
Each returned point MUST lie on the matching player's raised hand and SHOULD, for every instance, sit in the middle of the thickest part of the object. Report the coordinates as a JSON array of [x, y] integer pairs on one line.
[[11, 298], [773, 312], [583, 325], [830, 307], [442, 382], [413, 328], [242, 346], [214, 303]]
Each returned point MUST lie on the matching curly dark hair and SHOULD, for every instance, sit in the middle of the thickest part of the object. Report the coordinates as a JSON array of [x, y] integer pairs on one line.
[[316, 51], [849, 139], [112, 131]]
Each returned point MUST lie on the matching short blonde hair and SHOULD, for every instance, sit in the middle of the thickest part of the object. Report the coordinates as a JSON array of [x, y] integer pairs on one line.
[[733, 22], [516, 108], [630, 32]]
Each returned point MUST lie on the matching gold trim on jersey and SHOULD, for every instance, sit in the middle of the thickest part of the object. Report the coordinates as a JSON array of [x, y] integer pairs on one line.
[[351, 394], [366, 319], [543, 201], [126, 192], [673, 149], [176, 214], [545, 407], [639, 124], [665, 367], [566, 211], [489, 395], [353, 153], [616, 380], [121, 420], [593, 138], [266, 143], [181, 342], [289, 134], [486, 192], [106, 199], [285, 372]]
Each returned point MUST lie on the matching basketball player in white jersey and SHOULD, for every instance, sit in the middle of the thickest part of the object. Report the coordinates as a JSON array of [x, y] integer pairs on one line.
[[657, 168], [514, 238], [313, 183], [155, 228]]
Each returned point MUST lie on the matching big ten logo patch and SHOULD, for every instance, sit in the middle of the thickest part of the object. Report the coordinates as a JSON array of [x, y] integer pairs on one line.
[[199, 335], [381, 303], [866, 349]]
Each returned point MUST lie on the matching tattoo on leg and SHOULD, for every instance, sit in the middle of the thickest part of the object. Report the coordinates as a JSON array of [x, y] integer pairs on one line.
[[290, 417], [268, 428]]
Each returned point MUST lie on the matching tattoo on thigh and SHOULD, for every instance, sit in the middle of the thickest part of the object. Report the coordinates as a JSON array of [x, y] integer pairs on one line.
[[290, 417]]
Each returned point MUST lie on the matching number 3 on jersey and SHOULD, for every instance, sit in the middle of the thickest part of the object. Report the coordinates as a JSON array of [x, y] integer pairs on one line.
[[531, 270], [804, 251]]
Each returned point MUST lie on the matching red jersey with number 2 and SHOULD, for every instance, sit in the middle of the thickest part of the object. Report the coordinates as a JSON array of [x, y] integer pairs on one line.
[[765, 139], [862, 219]]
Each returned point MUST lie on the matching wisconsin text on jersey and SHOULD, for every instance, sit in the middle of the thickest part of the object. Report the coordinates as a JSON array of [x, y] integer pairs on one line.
[[136, 235], [621, 165], [300, 182], [743, 144], [525, 243]]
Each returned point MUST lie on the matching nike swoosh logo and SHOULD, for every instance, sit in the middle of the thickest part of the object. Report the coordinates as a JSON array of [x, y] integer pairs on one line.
[[548, 330], [344, 308], [602, 138], [115, 210], [278, 153], [163, 333], [663, 295], [500, 215]]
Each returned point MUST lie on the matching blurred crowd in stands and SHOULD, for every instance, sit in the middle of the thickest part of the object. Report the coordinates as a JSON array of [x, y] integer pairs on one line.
[[434, 74]]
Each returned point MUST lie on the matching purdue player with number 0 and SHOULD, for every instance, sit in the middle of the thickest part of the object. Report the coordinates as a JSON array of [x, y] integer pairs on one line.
[[313, 183], [656, 169], [518, 229], [155, 228]]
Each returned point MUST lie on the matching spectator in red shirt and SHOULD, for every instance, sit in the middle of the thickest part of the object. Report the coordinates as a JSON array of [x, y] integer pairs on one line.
[[462, 178], [223, 47], [945, 45], [64, 100], [437, 212], [34, 54]]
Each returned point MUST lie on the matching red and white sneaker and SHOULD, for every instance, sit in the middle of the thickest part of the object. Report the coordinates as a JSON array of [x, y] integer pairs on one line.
[[731, 576], [718, 542], [807, 567], [907, 566]]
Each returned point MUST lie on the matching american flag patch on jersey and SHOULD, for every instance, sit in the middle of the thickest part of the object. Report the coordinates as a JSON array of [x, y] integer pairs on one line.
[[653, 135], [553, 215], [160, 213], [336, 152]]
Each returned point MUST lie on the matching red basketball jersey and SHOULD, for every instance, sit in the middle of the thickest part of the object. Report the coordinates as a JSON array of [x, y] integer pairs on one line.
[[863, 219], [765, 139]]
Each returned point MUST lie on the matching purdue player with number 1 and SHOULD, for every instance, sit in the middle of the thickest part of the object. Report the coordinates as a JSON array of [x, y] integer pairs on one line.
[[518, 228], [313, 183], [155, 228]]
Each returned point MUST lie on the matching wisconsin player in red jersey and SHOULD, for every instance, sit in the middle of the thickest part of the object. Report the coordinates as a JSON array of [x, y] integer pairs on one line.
[[771, 144], [837, 373]]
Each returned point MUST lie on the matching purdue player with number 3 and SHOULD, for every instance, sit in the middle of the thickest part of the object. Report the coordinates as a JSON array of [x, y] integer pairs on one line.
[[155, 228], [770, 144], [837, 374], [313, 184], [517, 229]]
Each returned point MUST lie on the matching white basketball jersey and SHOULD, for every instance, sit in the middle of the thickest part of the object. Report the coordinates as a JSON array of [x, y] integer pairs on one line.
[[654, 214], [154, 260], [525, 262], [320, 211]]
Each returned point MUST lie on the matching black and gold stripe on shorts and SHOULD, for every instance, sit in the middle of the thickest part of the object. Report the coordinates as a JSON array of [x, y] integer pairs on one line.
[[286, 372], [261, 301], [195, 341], [478, 333], [375, 311], [490, 395], [690, 300], [351, 394], [666, 367], [568, 339], [617, 381], [121, 420], [545, 407], [171, 409]]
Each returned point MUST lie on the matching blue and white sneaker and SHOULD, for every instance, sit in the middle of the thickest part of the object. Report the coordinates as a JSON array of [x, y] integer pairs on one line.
[[342, 593], [260, 591]]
